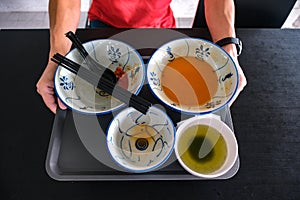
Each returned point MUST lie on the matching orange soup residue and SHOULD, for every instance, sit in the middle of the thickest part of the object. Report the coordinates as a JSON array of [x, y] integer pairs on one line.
[[122, 78], [189, 81]]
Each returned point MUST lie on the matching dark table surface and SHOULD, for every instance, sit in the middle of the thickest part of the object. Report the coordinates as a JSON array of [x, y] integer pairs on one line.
[[265, 116]]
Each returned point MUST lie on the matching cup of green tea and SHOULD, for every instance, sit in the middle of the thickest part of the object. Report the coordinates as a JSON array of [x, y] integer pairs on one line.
[[205, 146]]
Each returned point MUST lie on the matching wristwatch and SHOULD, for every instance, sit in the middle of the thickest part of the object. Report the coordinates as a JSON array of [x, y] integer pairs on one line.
[[231, 40]]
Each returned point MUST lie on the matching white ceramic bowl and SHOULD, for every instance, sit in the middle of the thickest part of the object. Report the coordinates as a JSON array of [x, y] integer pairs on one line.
[[182, 146], [81, 96], [221, 74], [140, 143]]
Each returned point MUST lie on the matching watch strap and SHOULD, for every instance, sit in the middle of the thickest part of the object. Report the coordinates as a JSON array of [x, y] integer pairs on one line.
[[231, 40]]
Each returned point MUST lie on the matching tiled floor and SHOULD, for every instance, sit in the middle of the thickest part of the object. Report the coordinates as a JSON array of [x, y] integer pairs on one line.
[[22, 14]]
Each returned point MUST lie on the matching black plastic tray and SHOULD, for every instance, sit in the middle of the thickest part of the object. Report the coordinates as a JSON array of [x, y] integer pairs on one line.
[[78, 141]]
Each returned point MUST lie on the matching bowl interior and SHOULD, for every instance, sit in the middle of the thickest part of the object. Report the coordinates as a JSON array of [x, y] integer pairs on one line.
[[206, 147], [138, 142], [193, 76], [81, 96]]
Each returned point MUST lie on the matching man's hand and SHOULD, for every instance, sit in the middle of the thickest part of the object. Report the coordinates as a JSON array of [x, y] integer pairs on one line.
[[45, 87], [231, 50]]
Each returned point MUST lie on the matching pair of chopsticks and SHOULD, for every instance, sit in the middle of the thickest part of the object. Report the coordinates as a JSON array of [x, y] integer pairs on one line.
[[103, 83], [91, 63]]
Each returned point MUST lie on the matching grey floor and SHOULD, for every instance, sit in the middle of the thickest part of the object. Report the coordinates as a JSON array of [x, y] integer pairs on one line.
[[30, 14]]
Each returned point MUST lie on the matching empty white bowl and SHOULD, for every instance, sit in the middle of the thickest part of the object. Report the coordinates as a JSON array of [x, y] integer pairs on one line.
[[140, 143], [208, 86]]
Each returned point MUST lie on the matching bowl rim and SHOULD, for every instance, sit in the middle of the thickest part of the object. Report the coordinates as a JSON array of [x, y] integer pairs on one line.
[[152, 168], [111, 109], [205, 120], [186, 111]]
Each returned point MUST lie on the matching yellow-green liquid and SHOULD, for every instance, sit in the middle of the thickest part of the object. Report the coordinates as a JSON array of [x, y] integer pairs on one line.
[[202, 148]]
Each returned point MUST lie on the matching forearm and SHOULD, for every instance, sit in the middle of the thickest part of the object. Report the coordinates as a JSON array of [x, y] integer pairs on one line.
[[220, 19], [64, 16]]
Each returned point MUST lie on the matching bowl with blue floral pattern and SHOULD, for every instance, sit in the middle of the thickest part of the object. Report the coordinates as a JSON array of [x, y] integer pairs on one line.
[[141, 143], [81, 96], [192, 76]]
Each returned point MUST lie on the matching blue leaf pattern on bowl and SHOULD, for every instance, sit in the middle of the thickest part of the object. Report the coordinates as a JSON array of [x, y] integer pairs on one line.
[[154, 79], [114, 54], [202, 53], [66, 84]]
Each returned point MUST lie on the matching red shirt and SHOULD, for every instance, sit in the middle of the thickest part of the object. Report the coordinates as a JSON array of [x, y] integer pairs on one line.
[[133, 13]]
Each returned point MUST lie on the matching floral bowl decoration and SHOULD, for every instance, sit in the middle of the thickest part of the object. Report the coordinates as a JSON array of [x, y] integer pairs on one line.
[[141, 143], [81, 96], [192, 76]]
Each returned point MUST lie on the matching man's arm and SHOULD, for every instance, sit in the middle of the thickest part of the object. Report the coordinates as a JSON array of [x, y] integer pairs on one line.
[[220, 19], [64, 16]]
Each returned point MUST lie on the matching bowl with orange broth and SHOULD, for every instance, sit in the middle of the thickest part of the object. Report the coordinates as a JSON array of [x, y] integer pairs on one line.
[[192, 76]]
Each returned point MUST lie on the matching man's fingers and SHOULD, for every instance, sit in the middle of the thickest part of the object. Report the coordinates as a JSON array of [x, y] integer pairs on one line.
[[61, 104]]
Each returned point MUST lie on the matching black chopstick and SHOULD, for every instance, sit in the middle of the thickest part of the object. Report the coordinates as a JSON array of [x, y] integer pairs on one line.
[[102, 83], [91, 63]]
